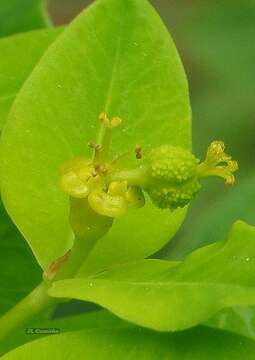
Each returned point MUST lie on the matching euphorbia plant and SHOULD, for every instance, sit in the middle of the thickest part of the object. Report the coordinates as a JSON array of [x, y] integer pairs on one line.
[[97, 173]]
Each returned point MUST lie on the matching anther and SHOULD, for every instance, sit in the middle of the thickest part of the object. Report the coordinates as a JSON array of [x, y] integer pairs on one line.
[[115, 122], [100, 169], [103, 118], [110, 124], [94, 146], [138, 151], [94, 173]]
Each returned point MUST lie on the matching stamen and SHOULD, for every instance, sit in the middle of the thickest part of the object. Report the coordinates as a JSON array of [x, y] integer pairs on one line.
[[110, 124], [104, 136], [100, 169], [94, 173], [97, 149], [94, 146], [138, 152], [115, 122], [103, 118]]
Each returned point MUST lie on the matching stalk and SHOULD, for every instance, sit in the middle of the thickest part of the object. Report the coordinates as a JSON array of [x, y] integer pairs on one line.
[[34, 303], [38, 299]]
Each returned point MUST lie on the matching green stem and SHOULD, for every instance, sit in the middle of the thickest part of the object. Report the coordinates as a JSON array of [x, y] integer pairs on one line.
[[104, 141], [80, 251], [34, 303], [39, 300], [205, 170], [135, 177]]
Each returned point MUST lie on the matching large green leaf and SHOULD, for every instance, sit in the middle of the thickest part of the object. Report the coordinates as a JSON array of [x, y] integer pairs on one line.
[[36, 329], [212, 225], [116, 56], [240, 320], [19, 55], [19, 270], [136, 343], [134, 237], [22, 15], [174, 296]]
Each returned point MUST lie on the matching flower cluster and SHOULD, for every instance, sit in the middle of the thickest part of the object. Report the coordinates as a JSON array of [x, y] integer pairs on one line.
[[169, 174], [87, 178]]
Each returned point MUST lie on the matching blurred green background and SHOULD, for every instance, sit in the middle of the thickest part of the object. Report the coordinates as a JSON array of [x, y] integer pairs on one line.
[[216, 42]]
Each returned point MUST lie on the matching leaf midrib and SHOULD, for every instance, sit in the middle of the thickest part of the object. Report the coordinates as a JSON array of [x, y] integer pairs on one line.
[[148, 283], [109, 94]]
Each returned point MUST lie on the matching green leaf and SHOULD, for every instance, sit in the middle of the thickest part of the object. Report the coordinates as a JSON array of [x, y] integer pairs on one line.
[[173, 296], [136, 343], [19, 16], [18, 268], [19, 55], [134, 237], [239, 320], [116, 56], [92, 320]]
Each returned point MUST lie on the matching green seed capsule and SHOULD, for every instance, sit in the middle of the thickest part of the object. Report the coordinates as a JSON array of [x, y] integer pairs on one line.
[[172, 164], [172, 171], [173, 196]]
